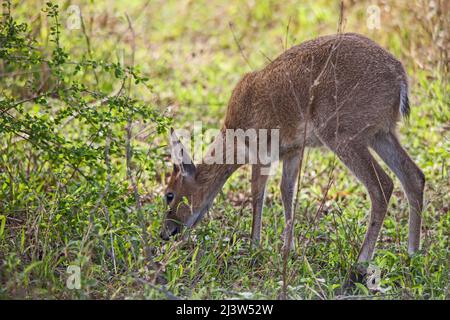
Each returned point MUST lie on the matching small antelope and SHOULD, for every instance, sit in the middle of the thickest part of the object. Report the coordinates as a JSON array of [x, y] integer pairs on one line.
[[342, 91]]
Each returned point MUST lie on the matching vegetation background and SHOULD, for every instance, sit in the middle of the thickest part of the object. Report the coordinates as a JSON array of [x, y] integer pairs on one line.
[[87, 92]]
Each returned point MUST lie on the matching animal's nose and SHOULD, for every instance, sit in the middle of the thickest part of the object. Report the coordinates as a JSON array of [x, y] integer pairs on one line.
[[169, 231], [163, 235]]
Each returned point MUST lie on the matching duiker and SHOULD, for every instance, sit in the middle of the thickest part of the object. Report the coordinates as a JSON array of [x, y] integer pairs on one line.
[[343, 92]]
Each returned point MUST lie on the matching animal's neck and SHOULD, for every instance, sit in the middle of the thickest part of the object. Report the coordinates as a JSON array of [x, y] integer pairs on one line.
[[212, 175]]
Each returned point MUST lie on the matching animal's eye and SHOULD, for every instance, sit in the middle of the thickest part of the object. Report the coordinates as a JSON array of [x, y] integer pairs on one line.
[[169, 197]]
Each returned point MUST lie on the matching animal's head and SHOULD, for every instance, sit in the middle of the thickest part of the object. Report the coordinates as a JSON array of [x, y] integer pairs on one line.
[[183, 195]]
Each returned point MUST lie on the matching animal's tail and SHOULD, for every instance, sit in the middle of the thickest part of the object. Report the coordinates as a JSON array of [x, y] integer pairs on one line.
[[404, 100]]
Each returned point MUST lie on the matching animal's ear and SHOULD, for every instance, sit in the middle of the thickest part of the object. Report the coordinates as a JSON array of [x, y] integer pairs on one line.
[[180, 156]]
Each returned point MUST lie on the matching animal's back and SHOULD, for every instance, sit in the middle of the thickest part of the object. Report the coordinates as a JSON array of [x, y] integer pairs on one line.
[[349, 82]]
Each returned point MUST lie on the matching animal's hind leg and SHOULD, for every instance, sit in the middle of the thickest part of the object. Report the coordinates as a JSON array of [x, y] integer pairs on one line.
[[413, 181], [358, 159]]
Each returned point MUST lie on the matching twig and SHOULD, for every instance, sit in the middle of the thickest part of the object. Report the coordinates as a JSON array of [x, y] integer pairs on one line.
[[88, 45], [287, 34], [315, 83], [129, 155], [239, 46]]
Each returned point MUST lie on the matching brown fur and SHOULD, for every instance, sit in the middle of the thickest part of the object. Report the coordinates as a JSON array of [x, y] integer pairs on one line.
[[342, 91]]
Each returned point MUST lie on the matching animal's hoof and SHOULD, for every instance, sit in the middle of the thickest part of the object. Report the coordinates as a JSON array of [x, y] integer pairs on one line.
[[285, 242], [291, 247], [415, 253], [357, 275], [255, 245]]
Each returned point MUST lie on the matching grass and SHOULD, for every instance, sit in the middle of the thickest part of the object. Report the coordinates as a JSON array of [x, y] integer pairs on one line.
[[49, 219]]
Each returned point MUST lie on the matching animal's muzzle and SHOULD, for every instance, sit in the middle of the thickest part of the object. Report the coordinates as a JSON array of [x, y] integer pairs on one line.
[[170, 229]]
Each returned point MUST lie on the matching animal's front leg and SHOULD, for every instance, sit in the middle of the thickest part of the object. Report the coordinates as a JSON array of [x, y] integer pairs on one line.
[[288, 181], [259, 182]]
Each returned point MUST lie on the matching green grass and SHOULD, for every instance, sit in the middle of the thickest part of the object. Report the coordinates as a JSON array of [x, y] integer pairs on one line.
[[49, 219]]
